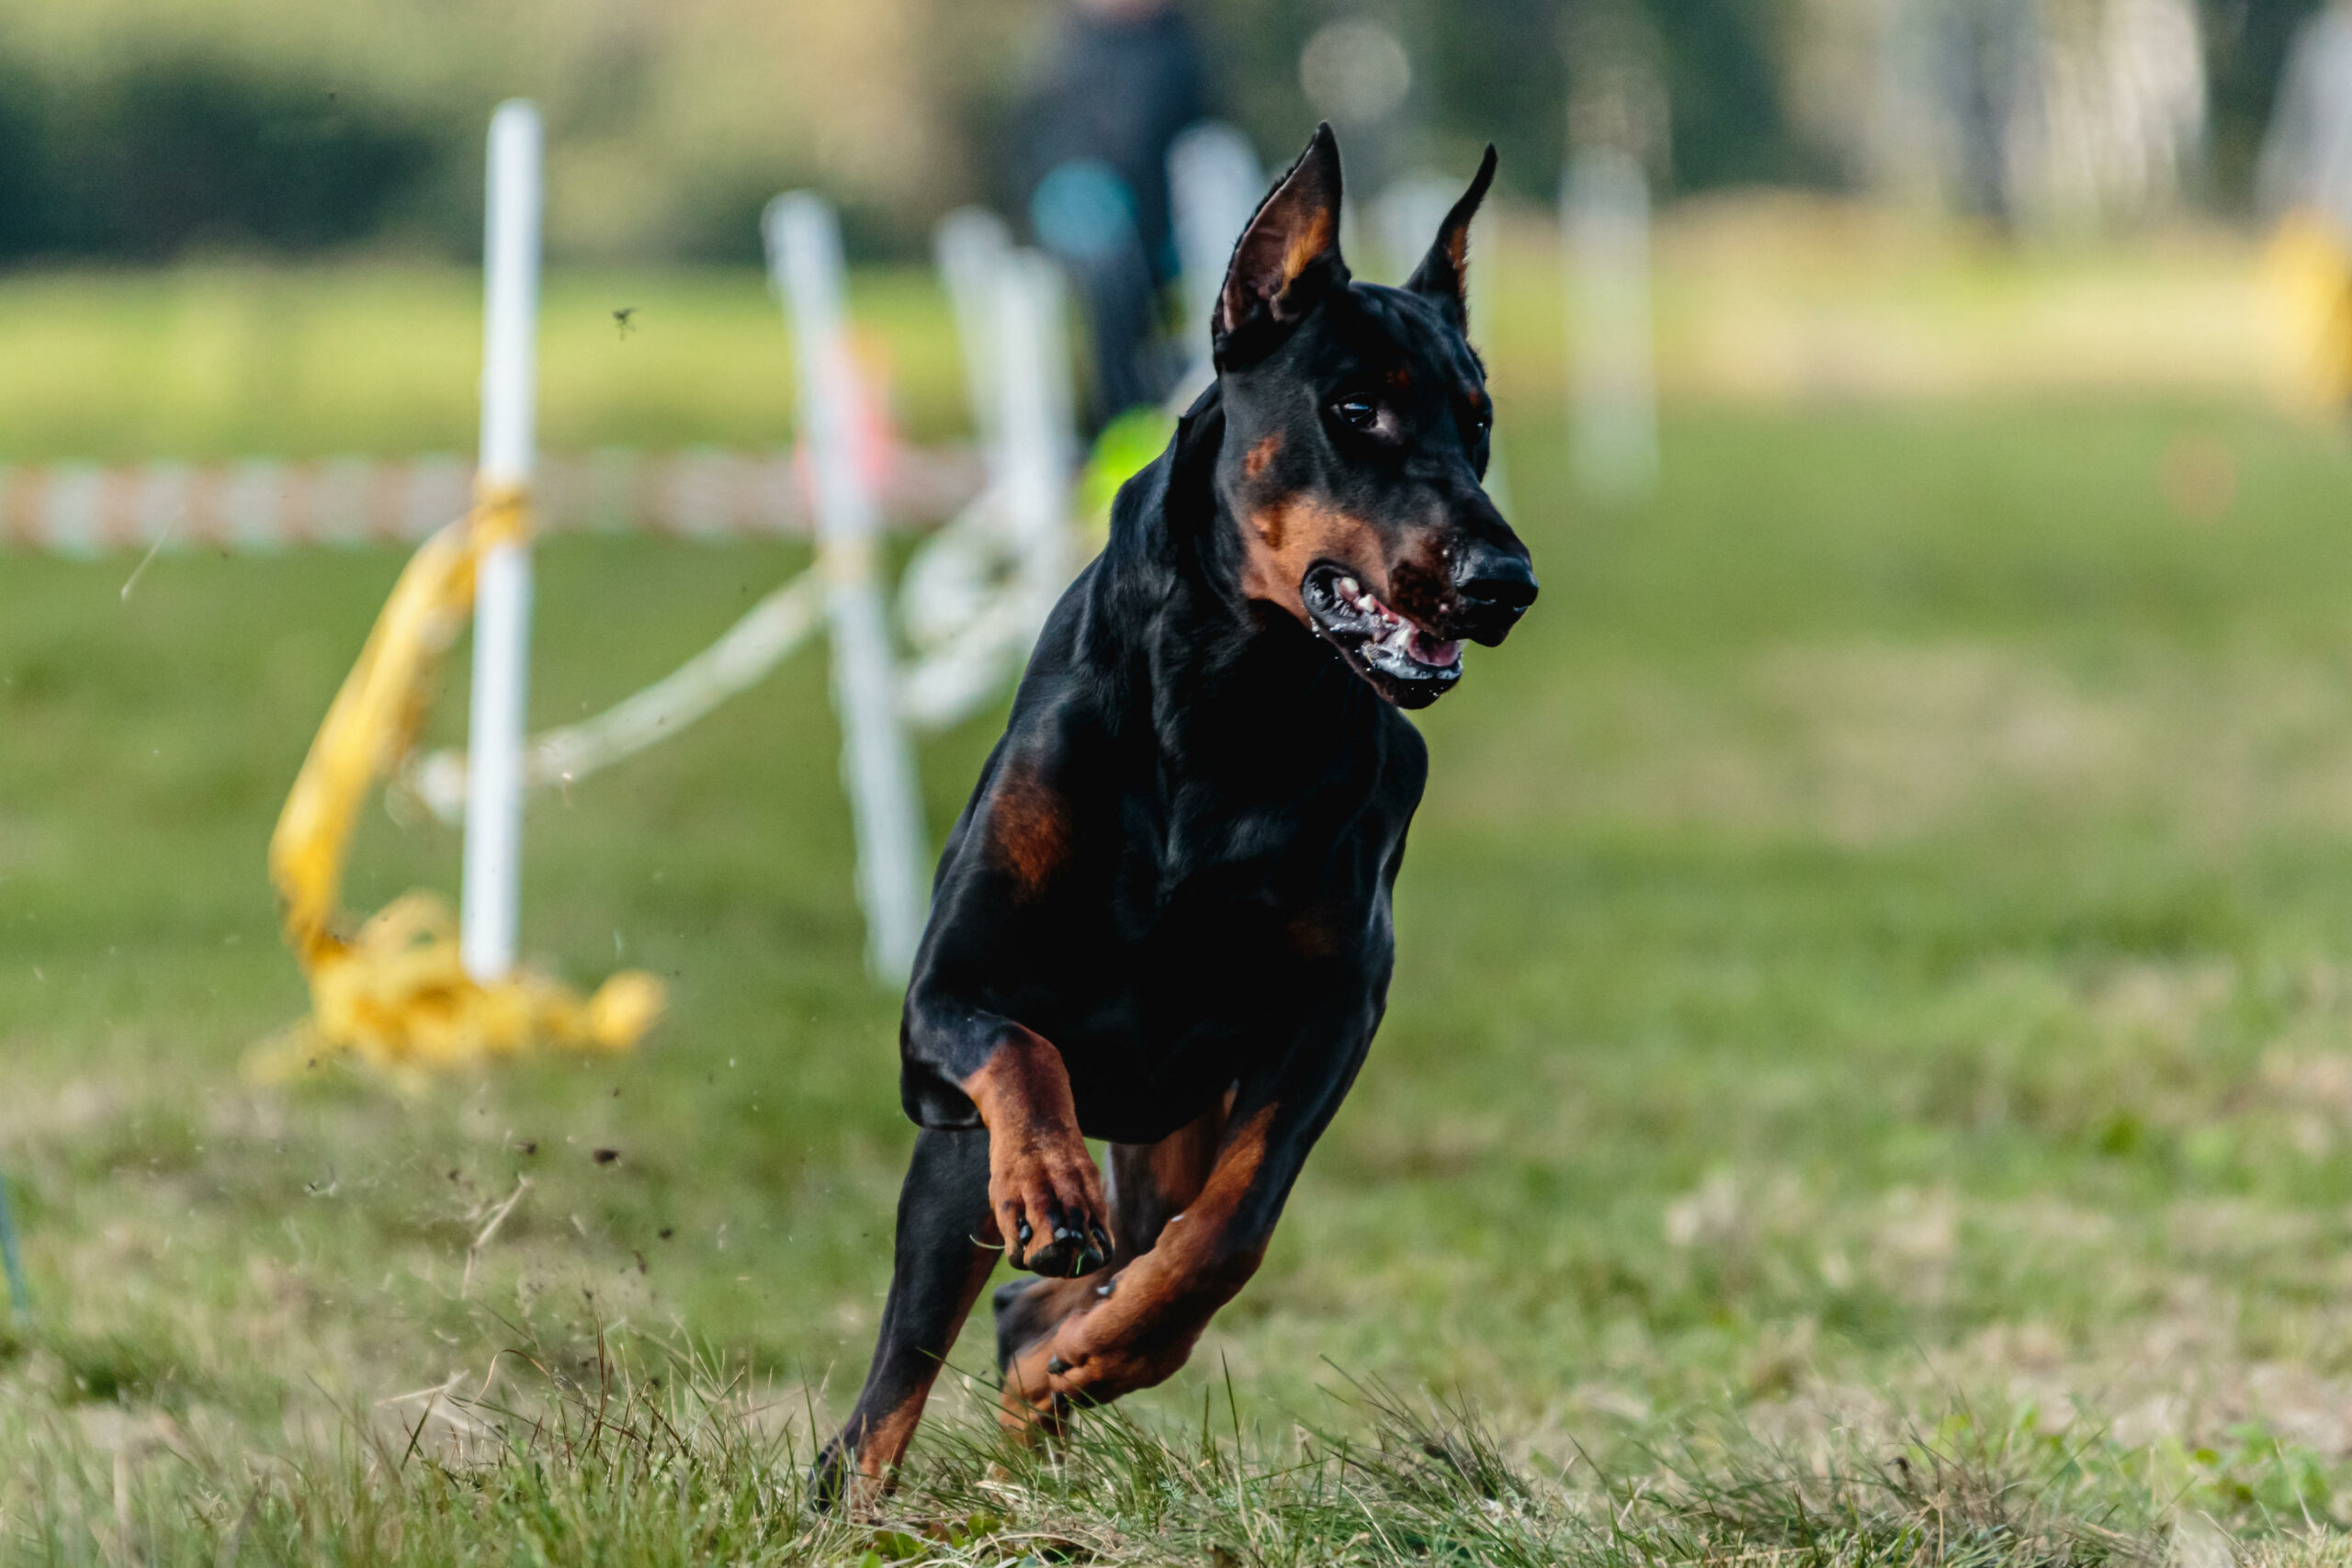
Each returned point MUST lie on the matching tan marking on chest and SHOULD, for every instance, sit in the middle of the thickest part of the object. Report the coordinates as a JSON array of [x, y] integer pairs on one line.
[[1028, 832]]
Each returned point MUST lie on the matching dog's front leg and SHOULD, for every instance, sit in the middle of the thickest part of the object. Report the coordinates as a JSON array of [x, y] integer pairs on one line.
[[1146, 1317], [1044, 1190]]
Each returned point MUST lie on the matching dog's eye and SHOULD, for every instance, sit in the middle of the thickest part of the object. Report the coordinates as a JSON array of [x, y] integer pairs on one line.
[[1357, 414]]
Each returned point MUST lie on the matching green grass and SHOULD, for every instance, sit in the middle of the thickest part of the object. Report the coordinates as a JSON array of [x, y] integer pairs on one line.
[[1872, 985], [1760, 295], [249, 360]]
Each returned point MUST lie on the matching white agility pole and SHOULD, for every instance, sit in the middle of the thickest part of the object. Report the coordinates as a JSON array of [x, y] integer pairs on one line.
[[1605, 223], [976, 594], [804, 249], [494, 833], [969, 246], [1213, 186], [1409, 215], [1040, 440], [951, 579]]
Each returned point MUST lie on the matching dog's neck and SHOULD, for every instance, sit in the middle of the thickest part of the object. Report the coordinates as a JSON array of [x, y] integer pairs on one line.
[[1212, 667]]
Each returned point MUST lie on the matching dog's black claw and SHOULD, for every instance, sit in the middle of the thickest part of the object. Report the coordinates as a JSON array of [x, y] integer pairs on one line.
[[1021, 1232], [1055, 1364], [1101, 1241]]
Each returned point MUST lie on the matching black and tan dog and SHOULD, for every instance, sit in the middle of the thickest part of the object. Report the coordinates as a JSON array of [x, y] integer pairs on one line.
[[1163, 921]]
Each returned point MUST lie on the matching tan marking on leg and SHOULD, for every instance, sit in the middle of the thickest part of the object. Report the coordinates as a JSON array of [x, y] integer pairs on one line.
[[883, 1443], [1160, 1302], [1037, 1157], [1148, 1183], [1022, 1085], [1181, 1163]]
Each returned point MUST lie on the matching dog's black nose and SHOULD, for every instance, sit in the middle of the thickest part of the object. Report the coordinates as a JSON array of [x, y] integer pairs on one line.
[[1495, 588]]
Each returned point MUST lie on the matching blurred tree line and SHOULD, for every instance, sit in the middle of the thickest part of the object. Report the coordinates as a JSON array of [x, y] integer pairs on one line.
[[148, 129]]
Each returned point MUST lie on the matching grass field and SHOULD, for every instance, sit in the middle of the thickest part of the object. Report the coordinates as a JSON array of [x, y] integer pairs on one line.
[[1874, 986], [1756, 296]]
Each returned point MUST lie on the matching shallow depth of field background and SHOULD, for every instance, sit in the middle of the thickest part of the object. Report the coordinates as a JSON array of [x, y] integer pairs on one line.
[[1877, 942]]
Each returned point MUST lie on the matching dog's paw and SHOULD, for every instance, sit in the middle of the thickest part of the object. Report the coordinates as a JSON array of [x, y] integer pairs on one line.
[[831, 1477], [1047, 1196], [1028, 1310]]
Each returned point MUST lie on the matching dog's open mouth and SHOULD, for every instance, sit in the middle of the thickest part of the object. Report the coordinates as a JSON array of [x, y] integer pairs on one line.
[[1405, 661]]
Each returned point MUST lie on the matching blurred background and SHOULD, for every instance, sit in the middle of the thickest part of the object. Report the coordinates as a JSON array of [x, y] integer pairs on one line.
[[150, 133], [1877, 937], [1846, 188]]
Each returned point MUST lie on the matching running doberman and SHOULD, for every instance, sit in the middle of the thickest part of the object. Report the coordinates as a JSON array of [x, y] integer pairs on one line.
[[1164, 918]]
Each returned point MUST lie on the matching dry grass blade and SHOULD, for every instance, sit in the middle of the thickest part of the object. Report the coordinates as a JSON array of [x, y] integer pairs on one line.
[[489, 1229]]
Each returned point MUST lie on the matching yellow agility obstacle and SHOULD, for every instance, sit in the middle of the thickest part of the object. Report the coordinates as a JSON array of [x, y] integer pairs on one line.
[[396, 994], [414, 989]]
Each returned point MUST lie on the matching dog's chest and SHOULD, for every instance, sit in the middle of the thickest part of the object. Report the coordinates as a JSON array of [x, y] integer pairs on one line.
[[1216, 884], [1234, 931]]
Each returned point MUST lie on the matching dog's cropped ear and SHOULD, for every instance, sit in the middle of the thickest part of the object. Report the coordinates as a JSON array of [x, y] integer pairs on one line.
[[1286, 259], [1443, 273]]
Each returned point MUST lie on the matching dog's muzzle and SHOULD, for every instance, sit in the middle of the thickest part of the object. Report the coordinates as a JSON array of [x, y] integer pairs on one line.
[[1493, 586]]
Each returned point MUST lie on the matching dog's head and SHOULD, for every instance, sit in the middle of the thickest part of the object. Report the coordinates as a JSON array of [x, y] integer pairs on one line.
[[1356, 429]]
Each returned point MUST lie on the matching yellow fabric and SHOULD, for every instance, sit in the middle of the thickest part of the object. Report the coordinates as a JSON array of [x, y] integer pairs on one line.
[[395, 995], [2309, 270]]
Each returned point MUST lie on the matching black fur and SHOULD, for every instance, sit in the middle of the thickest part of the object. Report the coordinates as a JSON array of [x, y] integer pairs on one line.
[[1170, 889]]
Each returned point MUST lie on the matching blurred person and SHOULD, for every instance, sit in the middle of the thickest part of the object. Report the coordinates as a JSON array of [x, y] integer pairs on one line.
[[2303, 182], [1121, 79]]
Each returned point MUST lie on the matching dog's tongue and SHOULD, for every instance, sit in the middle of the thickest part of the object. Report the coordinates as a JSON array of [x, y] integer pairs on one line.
[[1430, 652]]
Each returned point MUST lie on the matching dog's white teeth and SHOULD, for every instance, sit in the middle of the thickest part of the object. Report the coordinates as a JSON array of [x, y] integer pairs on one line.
[[1350, 589]]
